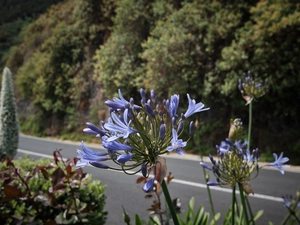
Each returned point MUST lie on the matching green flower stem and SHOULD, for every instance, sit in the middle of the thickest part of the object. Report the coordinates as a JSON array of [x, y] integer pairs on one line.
[[296, 217], [169, 202], [209, 197], [250, 124], [250, 210], [233, 205], [242, 196], [291, 213], [207, 187], [286, 219]]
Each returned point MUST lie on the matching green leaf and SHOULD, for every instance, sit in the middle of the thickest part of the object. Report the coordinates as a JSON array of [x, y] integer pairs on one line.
[[258, 215], [199, 216], [190, 213], [126, 217], [138, 220], [215, 219], [155, 220], [61, 218]]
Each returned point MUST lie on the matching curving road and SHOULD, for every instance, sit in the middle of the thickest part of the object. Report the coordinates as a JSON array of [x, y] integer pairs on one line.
[[122, 190]]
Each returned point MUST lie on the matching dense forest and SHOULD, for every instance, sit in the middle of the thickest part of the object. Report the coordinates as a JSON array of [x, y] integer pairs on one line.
[[67, 57]]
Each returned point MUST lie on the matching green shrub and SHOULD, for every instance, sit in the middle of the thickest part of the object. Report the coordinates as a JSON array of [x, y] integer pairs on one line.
[[49, 192]]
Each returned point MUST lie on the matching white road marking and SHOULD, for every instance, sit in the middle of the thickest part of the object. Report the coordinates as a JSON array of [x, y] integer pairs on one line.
[[189, 183]]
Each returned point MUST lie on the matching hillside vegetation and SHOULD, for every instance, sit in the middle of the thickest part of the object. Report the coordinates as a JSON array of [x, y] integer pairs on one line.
[[81, 52]]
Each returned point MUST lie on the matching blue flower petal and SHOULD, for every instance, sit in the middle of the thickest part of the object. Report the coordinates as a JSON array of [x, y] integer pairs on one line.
[[99, 165], [149, 185], [278, 163], [124, 157], [205, 166], [193, 107], [212, 183], [114, 145]]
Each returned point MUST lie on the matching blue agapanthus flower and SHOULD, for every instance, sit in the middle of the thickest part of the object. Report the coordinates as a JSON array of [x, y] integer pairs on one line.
[[119, 104], [172, 105], [115, 145], [120, 129], [135, 137], [193, 107], [93, 129], [228, 146], [87, 155], [278, 163], [290, 200], [176, 144], [251, 157], [149, 185]]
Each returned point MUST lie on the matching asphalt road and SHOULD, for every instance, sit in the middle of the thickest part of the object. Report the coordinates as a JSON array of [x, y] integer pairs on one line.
[[122, 189]]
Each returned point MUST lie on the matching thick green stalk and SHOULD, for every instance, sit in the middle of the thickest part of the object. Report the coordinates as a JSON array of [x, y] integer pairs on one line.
[[250, 124], [243, 204], [169, 202], [233, 205]]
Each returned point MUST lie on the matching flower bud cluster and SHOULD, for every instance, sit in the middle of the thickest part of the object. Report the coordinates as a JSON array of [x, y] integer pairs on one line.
[[291, 201], [234, 165], [252, 87]]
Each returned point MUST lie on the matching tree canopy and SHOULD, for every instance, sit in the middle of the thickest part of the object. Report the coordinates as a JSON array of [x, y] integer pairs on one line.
[[198, 47]]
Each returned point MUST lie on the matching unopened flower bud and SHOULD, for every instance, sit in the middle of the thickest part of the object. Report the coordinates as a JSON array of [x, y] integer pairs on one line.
[[144, 170], [162, 132], [99, 165], [152, 95], [212, 183], [149, 110], [173, 121], [131, 101], [206, 177], [165, 102], [124, 158], [197, 124], [212, 159], [205, 165], [180, 127], [191, 128], [143, 95], [148, 186]]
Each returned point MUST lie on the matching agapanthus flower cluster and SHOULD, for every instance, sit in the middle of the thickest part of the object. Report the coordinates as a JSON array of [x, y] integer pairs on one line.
[[236, 164], [291, 201], [252, 87], [136, 136]]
